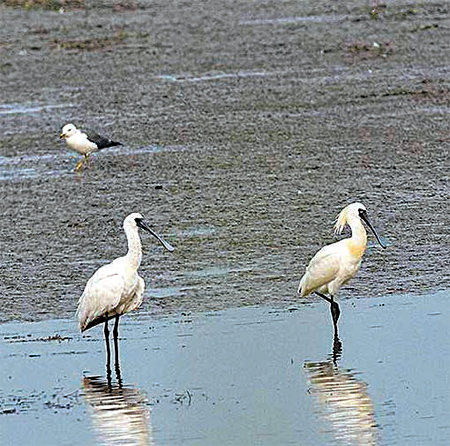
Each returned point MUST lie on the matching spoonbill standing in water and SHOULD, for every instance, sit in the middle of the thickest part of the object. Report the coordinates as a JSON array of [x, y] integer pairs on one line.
[[335, 264], [116, 288]]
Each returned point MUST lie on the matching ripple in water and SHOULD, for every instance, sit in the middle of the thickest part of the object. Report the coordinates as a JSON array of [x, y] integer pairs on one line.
[[343, 402], [119, 413]]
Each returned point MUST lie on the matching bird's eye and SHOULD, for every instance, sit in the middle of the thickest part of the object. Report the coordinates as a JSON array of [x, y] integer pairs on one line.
[[138, 219], [361, 211]]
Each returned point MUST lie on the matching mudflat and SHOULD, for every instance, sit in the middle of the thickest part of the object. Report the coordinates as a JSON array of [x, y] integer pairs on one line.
[[247, 126]]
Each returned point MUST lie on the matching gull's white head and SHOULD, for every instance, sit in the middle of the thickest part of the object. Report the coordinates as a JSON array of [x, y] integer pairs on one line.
[[350, 212], [67, 131]]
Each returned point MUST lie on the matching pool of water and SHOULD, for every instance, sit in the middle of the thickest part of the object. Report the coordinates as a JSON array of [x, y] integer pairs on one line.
[[238, 376]]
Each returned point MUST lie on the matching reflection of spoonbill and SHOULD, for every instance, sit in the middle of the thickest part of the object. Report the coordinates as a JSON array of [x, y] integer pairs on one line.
[[345, 403], [116, 288], [85, 143], [120, 415], [335, 264]]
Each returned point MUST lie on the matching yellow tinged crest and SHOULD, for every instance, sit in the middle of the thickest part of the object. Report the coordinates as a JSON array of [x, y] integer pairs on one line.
[[347, 214], [341, 221]]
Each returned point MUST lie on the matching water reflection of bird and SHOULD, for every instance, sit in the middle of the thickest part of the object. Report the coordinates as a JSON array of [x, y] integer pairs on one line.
[[119, 413], [116, 288], [344, 402], [335, 264], [85, 143]]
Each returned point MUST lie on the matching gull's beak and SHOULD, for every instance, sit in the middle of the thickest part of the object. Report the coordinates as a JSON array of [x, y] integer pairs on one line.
[[62, 135], [363, 215], [142, 224]]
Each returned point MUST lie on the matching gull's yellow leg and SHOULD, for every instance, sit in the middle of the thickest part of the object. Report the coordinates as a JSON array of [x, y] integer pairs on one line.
[[79, 165]]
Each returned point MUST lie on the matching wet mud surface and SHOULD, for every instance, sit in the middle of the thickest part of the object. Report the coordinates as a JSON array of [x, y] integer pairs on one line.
[[183, 380], [246, 127]]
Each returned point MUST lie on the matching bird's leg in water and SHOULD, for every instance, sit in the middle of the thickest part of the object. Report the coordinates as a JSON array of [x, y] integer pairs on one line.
[[116, 350], [87, 160], [106, 331], [117, 369], [337, 349], [116, 328], [108, 353], [335, 312]]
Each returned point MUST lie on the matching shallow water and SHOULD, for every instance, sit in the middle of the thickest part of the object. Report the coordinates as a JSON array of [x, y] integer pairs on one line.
[[237, 376], [258, 122]]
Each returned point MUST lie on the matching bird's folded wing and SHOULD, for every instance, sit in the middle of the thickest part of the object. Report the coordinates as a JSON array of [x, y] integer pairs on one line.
[[99, 299], [322, 269], [101, 141]]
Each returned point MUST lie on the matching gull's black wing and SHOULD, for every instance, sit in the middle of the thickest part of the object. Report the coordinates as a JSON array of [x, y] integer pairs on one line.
[[101, 141]]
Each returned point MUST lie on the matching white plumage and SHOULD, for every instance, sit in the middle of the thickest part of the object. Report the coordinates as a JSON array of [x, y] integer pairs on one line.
[[335, 264], [85, 143], [116, 288]]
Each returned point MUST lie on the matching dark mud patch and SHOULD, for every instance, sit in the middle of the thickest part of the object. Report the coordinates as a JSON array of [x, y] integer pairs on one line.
[[53, 5], [91, 44], [55, 401], [369, 50], [28, 338]]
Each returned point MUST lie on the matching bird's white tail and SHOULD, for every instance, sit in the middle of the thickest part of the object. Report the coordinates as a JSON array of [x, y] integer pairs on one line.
[[300, 286]]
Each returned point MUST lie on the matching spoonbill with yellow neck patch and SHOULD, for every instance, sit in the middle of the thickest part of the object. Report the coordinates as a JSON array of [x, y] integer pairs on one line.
[[335, 264]]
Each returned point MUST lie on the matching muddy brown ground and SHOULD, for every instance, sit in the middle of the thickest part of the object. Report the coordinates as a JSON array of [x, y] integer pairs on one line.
[[247, 126]]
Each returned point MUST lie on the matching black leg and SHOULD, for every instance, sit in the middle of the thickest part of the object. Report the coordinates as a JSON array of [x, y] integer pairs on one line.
[[116, 327], [337, 349], [108, 354], [116, 349], [118, 373], [116, 340], [106, 331], [335, 313], [324, 297]]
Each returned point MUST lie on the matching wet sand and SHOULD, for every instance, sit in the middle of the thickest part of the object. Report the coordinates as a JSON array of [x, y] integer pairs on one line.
[[239, 376]]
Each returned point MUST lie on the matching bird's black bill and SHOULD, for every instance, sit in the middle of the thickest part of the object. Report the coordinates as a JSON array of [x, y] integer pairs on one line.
[[143, 225], [363, 215]]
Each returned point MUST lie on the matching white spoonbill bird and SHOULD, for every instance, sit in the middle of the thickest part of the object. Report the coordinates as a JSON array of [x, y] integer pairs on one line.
[[116, 288], [85, 143], [335, 264]]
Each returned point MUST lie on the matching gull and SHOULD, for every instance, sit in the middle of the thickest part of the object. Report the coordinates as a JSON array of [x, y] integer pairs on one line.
[[116, 288], [335, 264], [85, 143]]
